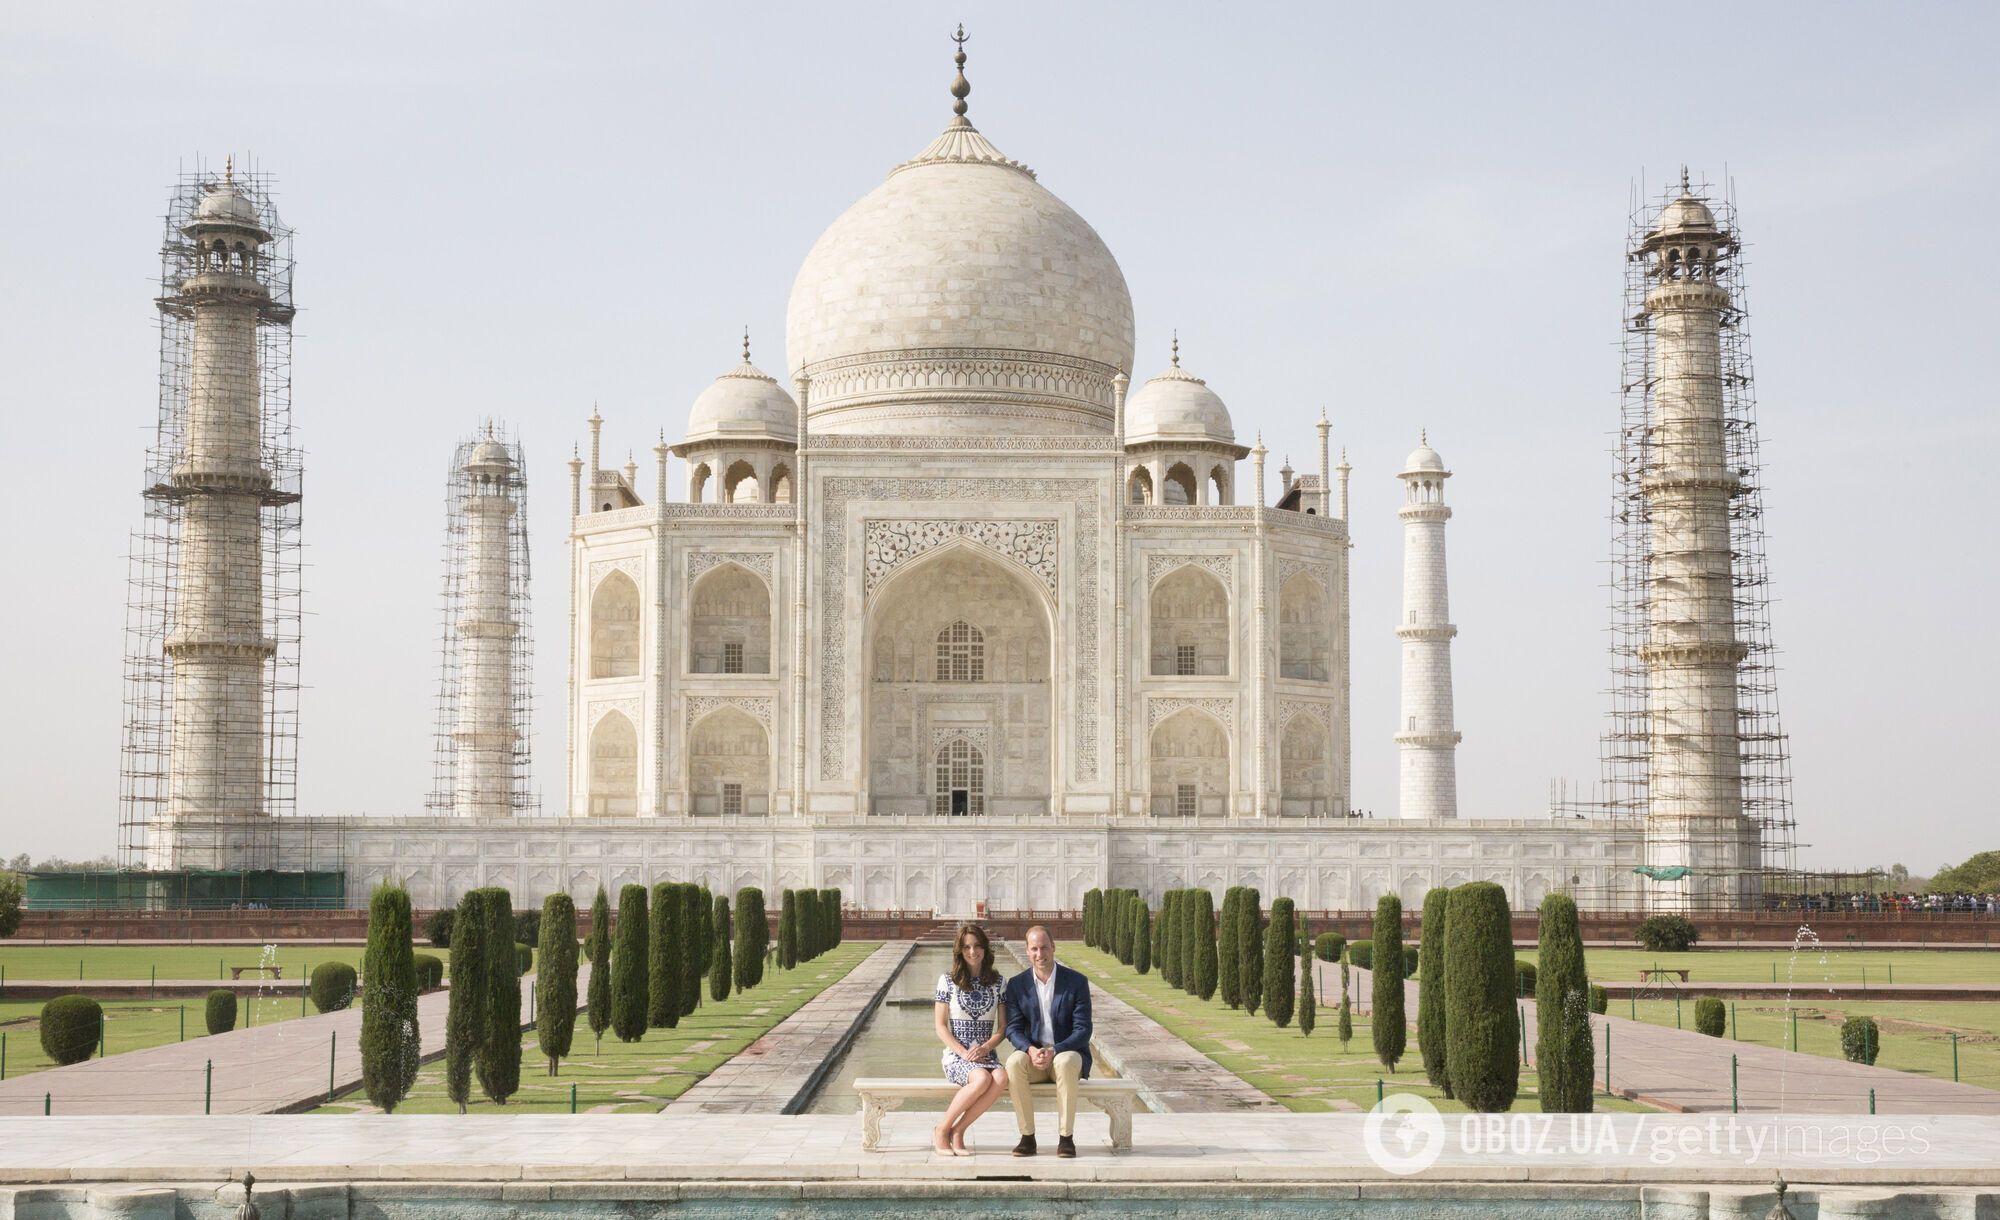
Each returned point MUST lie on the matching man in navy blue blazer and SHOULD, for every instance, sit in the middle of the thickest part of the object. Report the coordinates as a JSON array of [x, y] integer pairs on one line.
[[1048, 1021]]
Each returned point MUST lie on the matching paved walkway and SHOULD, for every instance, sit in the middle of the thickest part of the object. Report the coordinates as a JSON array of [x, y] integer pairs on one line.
[[264, 1069], [1682, 1070], [519, 1156], [778, 1073]]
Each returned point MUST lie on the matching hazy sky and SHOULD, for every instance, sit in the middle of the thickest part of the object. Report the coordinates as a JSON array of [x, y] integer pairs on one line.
[[1412, 215]]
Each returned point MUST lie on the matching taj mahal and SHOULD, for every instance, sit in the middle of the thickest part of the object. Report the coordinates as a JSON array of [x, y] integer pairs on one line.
[[964, 610]]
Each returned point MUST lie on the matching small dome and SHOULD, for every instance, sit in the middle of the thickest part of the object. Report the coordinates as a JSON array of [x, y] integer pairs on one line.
[[1424, 460], [1177, 406], [746, 403], [226, 204], [1685, 214], [491, 454]]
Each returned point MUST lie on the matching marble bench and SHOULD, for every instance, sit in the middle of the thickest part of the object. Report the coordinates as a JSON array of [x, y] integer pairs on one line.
[[881, 1094]]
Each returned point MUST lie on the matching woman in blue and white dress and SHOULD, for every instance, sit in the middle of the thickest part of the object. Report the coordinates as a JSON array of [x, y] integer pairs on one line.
[[971, 1021]]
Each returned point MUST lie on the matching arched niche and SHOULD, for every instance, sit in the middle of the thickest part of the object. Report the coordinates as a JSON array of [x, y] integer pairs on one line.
[[729, 765], [1139, 488], [1187, 760], [614, 628], [1305, 768], [729, 622], [1178, 487], [1305, 632], [1190, 624], [698, 482], [739, 484], [614, 767], [781, 484]]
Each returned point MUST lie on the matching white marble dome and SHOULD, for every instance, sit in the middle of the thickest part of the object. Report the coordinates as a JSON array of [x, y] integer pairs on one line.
[[1177, 406], [1424, 460], [960, 290], [1685, 214], [225, 204], [744, 403], [489, 454]]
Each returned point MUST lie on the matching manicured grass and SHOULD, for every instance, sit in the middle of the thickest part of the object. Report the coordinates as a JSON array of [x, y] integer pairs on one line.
[[642, 1076], [1916, 1034], [130, 1025], [1813, 965], [1300, 1073], [24, 962]]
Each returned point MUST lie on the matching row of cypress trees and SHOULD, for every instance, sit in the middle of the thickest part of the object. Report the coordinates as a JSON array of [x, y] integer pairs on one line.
[[483, 1019], [808, 925]]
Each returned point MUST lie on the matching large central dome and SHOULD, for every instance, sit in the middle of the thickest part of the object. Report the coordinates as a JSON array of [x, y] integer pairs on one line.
[[960, 294]]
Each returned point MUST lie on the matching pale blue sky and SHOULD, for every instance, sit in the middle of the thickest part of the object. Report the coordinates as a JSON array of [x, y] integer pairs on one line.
[[1413, 215]]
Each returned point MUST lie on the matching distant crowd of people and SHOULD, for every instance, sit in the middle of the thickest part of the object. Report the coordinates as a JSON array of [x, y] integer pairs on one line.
[[1835, 902]]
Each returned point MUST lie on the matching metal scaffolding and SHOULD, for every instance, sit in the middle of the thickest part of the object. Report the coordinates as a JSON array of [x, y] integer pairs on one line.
[[1758, 739]]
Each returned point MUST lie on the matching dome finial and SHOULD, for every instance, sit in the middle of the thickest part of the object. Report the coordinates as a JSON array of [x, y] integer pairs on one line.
[[1177, 347], [1423, 436], [746, 343], [1685, 189], [960, 87], [229, 169]]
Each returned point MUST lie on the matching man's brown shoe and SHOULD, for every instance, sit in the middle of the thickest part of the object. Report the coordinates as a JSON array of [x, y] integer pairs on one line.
[[1065, 1146], [1026, 1147]]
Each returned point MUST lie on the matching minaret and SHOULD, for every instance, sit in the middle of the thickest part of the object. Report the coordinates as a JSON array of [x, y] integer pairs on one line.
[[1694, 813], [484, 735], [218, 647], [1425, 738]]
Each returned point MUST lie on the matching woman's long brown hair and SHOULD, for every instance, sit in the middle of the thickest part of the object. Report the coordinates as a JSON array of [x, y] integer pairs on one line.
[[961, 973]]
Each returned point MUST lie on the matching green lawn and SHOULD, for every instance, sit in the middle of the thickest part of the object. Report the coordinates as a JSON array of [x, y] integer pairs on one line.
[[1916, 1034], [1831, 964], [1300, 1073], [642, 1076], [129, 1025], [173, 961]]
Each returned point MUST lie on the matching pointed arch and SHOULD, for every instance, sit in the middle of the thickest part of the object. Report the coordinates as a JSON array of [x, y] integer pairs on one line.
[[781, 484], [1305, 629], [729, 622], [959, 779], [739, 484], [614, 767], [729, 765], [1305, 766], [1218, 482], [1189, 613], [1178, 487], [1139, 488], [698, 482], [614, 627], [1187, 757]]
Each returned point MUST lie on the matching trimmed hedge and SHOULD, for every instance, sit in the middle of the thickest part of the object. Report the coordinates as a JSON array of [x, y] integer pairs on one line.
[[499, 1059], [430, 971], [1142, 939], [1090, 913], [219, 1012], [1710, 1017], [628, 966], [1600, 1000], [1431, 1041], [465, 1013], [1525, 978], [788, 931], [72, 1025], [390, 1041], [1482, 1026], [1388, 1028], [527, 927], [1280, 970], [1565, 1054], [753, 934], [1201, 929], [1667, 933], [437, 928], [721, 965], [1250, 973], [1328, 946], [1409, 961], [1860, 1039], [332, 986], [524, 958], [1361, 954], [597, 1009], [555, 983], [663, 956], [1229, 948]]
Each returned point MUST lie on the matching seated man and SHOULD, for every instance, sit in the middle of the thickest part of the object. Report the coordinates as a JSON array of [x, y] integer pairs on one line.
[[1048, 1021]]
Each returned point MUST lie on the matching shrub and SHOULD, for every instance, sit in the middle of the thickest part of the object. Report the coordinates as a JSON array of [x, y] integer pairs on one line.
[[1482, 1027], [663, 961], [1160, 937], [752, 933], [1308, 985], [1203, 931], [598, 1008], [499, 1060], [527, 927], [830, 911], [1524, 978], [73, 1024], [695, 935], [1090, 918], [1362, 954], [465, 1013], [437, 928], [1250, 973], [1565, 1054], [1667, 933], [1600, 1000], [430, 971], [1142, 939], [391, 1041], [1345, 1029], [1860, 1039], [788, 931], [1388, 1027], [219, 1013], [1328, 946], [555, 984], [1409, 961], [1170, 938], [332, 986], [1710, 1017], [1431, 1041], [628, 966], [721, 968], [1280, 947], [13, 896], [1229, 949]]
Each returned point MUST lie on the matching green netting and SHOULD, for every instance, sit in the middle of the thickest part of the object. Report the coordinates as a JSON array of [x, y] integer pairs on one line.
[[186, 890]]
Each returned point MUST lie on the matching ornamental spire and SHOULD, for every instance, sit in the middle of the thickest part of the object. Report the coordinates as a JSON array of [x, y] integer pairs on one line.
[[1177, 347], [960, 87], [746, 343]]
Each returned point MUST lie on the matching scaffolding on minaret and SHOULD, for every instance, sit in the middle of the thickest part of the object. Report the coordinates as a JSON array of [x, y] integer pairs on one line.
[[486, 651], [164, 600], [1758, 740]]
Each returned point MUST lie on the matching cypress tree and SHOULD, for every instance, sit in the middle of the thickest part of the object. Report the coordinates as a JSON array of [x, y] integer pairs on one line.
[[1308, 987], [1431, 1041], [1346, 1028], [629, 975], [1170, 938], [555, 980], [694, 933], [600, 965], [1250, 973], [1388, 1027], [802, 923], [389, 1031], [829, 910], [706, 941], [750, 934], [1128, 926], [1202, 931], [1482, 1031], [465, 1023], [663, 957], [1280, 943], [1090, 918], [1229, 949], [1190, 953], [499, 1061], [721, 971], [1565, 1055], [1142, 940], [1159, 937], [788, 931]]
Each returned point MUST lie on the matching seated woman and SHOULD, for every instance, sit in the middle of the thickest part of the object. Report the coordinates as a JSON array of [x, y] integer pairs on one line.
[[970, 1022]]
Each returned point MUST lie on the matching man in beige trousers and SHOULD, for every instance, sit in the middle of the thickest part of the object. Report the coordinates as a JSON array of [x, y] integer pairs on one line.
[[1048, 1021]]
